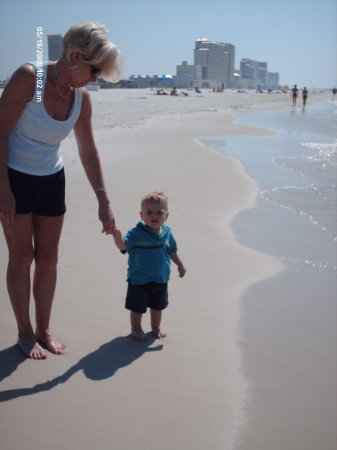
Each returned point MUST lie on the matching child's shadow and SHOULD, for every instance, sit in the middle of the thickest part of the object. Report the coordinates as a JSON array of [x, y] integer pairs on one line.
[[101, 364]]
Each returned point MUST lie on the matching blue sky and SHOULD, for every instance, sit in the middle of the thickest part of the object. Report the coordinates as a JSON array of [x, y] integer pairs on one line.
[[296, 37]]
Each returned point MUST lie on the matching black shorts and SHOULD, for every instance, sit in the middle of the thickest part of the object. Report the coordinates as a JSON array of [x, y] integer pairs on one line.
[[142, 296], [43, 195]]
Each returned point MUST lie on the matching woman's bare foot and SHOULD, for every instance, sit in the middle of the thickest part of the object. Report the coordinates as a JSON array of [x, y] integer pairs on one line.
[[50, 343], [30, 347], [158, 333], [139, 335]]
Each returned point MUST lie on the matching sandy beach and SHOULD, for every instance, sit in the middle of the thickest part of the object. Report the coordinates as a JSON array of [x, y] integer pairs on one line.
[[108, 391]]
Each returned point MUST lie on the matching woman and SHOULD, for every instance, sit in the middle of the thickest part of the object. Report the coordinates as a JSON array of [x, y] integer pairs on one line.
[[294, 93], [304, 97], [38, 110]]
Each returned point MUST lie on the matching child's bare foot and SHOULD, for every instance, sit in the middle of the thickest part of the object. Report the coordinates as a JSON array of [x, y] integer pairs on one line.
[[30, 347], [158, 333], [50, 343], [139, 335]]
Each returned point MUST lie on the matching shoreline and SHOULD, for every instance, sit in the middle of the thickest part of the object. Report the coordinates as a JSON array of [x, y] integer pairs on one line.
[[292, 380], [191, 380]]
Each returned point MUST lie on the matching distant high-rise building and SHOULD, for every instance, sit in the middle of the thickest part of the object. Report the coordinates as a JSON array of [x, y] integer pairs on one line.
[[273, 80], [248, 69], [263, 73], [253, 73], [230, 65], [187, 75], [54, 47], [217, 61]]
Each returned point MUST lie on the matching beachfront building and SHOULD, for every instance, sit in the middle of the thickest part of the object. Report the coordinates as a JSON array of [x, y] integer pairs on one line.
[[3, 83], [273, 80], [230, 66], [253, 73], [146, 81], [217, 61], [263, 73], [236, 79], [54, 46], [187, 76], [140, 81]]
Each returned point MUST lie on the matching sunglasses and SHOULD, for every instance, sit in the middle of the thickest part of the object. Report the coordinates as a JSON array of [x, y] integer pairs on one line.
[[95, 72]]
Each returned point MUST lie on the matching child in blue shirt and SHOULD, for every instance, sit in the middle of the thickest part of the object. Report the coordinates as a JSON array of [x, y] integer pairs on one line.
[[151, 247]]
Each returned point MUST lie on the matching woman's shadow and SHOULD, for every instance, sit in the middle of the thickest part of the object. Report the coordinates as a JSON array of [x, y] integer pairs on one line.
[[101, 364]]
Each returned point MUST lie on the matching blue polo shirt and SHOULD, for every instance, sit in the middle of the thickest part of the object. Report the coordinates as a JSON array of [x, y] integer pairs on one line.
[[149, 254]]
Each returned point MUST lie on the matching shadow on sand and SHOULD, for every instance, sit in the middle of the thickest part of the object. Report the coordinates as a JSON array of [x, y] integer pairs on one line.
[[101, 364]]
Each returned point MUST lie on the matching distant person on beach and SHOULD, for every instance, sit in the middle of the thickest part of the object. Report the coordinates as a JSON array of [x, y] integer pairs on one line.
[[40, 105], [304, 97], [161, 92], [150, 246], [294, 93], [174, 91], [334, 92]]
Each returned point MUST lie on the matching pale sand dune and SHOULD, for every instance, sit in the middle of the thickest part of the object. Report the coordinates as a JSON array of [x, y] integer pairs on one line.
[[107, 391]]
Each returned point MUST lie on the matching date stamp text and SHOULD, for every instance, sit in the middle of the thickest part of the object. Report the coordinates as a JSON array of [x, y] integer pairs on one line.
[[39, 63]]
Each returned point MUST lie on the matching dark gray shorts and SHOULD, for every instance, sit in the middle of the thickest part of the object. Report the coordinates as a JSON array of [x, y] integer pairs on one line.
[[139, 297], [43, 195]]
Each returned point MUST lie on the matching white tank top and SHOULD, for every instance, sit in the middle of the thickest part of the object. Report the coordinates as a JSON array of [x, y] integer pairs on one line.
[[33, 144]]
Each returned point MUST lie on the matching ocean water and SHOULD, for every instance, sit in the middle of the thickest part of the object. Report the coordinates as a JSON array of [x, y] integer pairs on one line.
[[296, 171], [287, 333]]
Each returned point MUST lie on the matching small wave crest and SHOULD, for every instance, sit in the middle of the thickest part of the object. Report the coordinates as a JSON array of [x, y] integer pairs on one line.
[[308, 264], [311, 202], [325, 151]]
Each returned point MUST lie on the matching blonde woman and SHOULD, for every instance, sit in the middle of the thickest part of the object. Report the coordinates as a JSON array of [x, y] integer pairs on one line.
[[40, 105]]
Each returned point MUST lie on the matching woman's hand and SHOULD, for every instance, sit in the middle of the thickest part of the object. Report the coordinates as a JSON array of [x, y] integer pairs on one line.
[[7, 207], [106, 216]]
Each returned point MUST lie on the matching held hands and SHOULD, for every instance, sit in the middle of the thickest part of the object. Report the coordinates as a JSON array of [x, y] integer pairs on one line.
[[106, 216], [117, 234], [118, 238]]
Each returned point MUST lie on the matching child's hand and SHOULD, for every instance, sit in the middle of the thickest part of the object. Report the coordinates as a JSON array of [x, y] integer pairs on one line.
[[118, 238], [116, 233], [181, 270]]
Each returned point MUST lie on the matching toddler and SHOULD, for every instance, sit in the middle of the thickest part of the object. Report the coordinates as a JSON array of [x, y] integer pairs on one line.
[[151, 247]]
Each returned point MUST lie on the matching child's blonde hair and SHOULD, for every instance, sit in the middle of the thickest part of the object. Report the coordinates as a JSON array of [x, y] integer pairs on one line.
[[155, 197]]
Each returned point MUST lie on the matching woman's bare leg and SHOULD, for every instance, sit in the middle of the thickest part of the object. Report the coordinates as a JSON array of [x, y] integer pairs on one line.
[[47, 233], [20, 248]]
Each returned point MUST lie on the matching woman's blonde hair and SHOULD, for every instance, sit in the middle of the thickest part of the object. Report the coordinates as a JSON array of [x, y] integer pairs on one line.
[[91, 40]]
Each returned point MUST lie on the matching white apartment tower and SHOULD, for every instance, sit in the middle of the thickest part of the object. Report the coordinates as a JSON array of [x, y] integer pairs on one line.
[[230, 65], [188, 75], [217, 61], [253, 73]]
